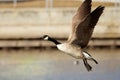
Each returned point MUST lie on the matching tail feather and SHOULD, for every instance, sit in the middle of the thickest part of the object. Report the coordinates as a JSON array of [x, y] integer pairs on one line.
[[88, 67]]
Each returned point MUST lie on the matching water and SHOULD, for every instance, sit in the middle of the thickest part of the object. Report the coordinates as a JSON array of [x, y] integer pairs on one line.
[[54, 65]]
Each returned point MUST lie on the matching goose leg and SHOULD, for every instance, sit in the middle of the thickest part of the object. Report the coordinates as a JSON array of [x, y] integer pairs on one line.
[[88, 67], [94, 60]]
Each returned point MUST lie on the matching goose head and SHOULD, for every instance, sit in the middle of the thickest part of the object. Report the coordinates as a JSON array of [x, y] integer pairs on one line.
[[45, 37]]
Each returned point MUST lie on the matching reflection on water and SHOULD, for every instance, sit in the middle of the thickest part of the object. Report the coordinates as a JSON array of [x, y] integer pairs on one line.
[[52, 65]]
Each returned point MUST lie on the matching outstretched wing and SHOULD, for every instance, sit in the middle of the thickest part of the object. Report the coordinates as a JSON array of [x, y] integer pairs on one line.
[[85, 28], [81, 13]]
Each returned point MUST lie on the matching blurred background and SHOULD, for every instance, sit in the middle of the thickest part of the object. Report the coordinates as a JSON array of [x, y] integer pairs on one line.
[[24, 56]]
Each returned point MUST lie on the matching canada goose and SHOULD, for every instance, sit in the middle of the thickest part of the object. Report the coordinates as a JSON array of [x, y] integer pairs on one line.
[[83, 24]]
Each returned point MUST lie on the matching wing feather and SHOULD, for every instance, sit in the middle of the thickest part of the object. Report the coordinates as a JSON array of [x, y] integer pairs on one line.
[[85, 28], [81, 13]]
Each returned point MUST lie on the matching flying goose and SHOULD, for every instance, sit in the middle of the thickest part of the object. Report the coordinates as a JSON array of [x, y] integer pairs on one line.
[[83, 24]]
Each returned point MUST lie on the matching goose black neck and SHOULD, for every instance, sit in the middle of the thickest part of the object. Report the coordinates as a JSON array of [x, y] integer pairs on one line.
[[54, 41]]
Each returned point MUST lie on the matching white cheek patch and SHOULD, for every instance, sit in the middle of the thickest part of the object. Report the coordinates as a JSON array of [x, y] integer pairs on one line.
[[46, 38]]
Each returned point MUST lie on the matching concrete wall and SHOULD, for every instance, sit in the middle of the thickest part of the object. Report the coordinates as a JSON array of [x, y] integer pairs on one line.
[[35, 16], [34, 22]]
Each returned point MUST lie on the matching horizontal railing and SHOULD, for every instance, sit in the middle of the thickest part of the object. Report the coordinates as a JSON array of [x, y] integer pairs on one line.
[[39, 43]]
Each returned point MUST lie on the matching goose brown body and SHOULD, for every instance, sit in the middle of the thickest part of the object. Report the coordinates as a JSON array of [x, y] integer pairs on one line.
[[71, 50]]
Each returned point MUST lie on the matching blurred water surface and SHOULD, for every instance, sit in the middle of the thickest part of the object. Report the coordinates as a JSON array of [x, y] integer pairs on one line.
[[52, 65]]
